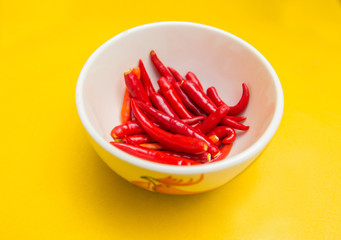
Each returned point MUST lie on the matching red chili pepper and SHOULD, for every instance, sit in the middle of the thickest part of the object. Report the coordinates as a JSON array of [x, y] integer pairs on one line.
[[126, 109], [226, 133], [229, 139], [231, 123], [225, 150], [173, 99], [213, 95], [243, 102], [152, 146], [213, 119], [135, 87], [202, 158], [193, 120], [195, 93], [186, 101], [138, 139], [200, 98], [192, 77], [161, 103], [147, 84], [153, 155], [137, 72], [237, 118], [161, 67], [132, 116], [195, 125], [172, 141], [218, 144], [231, 136], [177, 126], [236, 109], [125, 129], [176, 74]]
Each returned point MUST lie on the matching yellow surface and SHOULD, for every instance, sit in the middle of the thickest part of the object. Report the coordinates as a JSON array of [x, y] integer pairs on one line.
[[54, 186]]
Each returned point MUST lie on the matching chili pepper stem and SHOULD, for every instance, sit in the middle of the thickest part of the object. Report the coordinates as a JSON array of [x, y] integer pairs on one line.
[[216, 155], [214, 138], [128, 71]]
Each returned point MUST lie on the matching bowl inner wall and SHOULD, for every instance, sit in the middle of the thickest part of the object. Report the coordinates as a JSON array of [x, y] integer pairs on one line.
[[218, 60]]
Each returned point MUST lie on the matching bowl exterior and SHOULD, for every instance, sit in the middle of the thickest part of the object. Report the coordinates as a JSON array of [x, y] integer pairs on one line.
[[169, 183]]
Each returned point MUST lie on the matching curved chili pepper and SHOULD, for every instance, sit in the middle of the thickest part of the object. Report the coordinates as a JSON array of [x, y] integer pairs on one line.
[[184, 98], [125, 110], [161, 103], [192, 77], [226, 133], [193, 120], [153, 155], [231, 136], [128, 128], [177, 126], [195, 93], [213, 119], [147, 84], [135, 87], [138, 139], [229, 139], [242, 104], [200, 98], [236, 109], [160, 67], [172, 141], [173, 99], [225, 150]]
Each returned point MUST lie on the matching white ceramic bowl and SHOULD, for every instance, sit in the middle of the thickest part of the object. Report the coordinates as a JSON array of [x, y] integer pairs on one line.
[[219, 59]]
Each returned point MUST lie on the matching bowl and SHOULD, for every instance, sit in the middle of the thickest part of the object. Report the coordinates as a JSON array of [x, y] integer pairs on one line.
[[219, 59]]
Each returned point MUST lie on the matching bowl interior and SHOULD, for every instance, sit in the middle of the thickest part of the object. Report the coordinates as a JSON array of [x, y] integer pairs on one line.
[[219, 59]]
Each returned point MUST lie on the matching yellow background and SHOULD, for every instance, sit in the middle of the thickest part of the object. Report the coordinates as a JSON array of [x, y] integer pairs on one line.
[[54, 186]]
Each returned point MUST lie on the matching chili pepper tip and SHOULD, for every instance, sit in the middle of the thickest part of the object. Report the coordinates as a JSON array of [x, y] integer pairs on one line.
[[128, 71], [214, 138]]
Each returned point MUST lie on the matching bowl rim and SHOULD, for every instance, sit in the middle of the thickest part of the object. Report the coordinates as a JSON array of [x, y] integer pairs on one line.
[[251, 151]]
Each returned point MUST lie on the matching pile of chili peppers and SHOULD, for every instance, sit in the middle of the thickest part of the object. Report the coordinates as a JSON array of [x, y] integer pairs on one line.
[[180, 123]]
